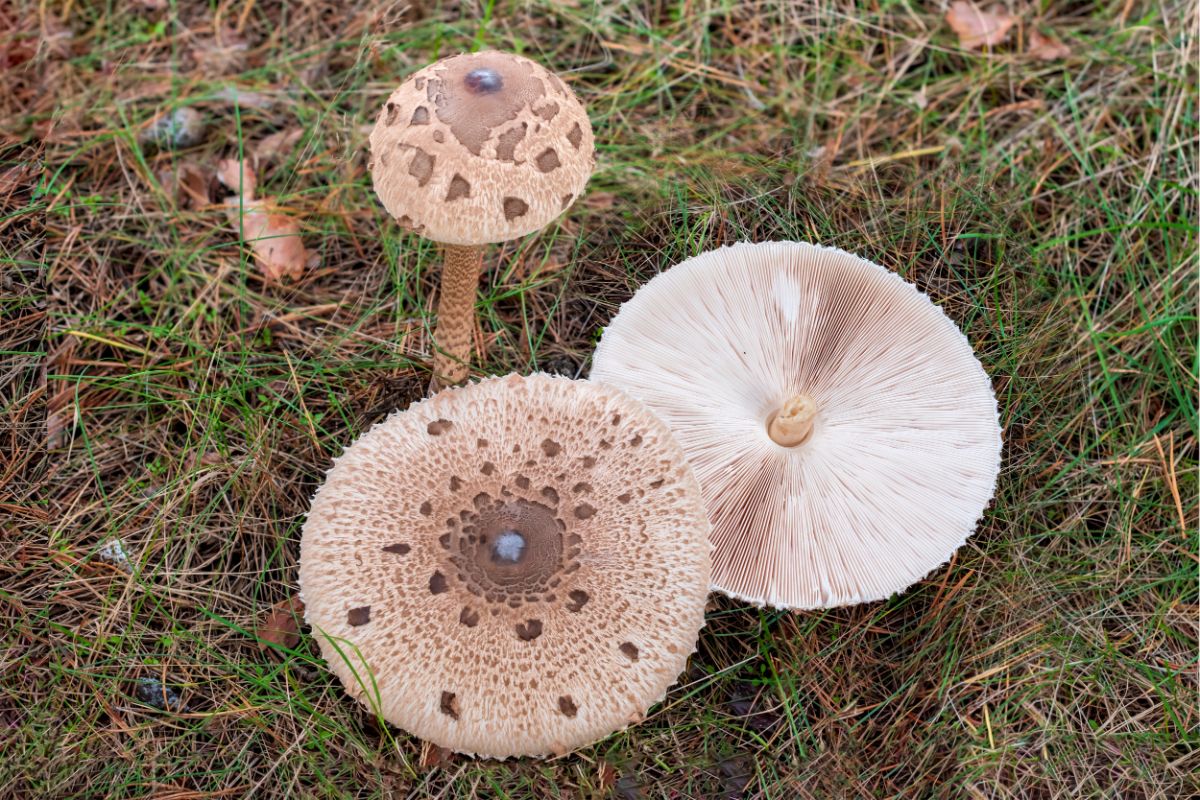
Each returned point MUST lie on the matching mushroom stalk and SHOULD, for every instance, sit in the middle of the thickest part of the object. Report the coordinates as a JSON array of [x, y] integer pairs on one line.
[[793, 423], [456, 314]]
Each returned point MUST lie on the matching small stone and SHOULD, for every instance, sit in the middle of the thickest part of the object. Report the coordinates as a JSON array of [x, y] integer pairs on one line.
[[154, 692], [183, 127]]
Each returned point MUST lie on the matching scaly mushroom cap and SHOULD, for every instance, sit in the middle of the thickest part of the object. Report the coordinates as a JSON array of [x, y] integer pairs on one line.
[[481, 148], [514, 567], [843, 432]]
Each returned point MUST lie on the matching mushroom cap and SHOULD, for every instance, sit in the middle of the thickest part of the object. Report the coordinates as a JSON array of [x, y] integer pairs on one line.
[[514, 567], [478, 148], [904, 449]]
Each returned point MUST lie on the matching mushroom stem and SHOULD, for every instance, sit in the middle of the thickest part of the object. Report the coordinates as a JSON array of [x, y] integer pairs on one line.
[[793, 423], [456, 314]]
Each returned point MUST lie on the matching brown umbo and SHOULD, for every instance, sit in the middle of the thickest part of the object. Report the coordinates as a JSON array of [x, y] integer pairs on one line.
[[469, 572], [475, 149]]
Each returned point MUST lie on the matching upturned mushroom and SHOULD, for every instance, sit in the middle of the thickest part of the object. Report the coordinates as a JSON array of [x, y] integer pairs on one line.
[[514, 567], [844, 435], [471, 150]]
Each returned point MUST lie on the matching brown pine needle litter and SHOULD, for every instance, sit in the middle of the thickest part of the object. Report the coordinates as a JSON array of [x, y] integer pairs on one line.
[[169, 408]]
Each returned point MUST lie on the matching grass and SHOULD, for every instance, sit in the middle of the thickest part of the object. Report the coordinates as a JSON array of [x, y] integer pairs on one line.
[[156, 391]]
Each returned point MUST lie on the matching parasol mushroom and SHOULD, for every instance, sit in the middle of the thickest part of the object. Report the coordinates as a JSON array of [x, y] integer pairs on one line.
[[514, 567], [844, 435], [474, 149]]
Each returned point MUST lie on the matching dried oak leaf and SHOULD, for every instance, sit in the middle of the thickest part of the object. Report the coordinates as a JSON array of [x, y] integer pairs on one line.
[[434, 756], [1046, 48], [281, 626], [273, 237], [238, 176], [278, 144], [977, 28]]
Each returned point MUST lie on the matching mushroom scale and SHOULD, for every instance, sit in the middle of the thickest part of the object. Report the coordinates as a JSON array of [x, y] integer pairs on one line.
[[845, 436], [514, 567], [479, 148]]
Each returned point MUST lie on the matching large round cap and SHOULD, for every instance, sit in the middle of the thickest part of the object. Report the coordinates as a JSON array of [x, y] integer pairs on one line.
[[515, 567], [843, 432], [480, 148]]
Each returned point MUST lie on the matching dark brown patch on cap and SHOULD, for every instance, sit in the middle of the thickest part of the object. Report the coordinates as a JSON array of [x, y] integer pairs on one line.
[[547, 111], [426, 508], [575, 135], [359, 616], [488, 468], [547, 160], [469, 617], [439, 137], [567, 706], [566, 200], [392, 111], [459, 187], [455, 483], [437, 583], [624, 498], [629, 650], [507, 142], [420, 116], [584, 511], [399, 549], [529, 630], [438, 427], [579, 599], [514, 207], [421, 166], [449, 705], [551, 448]]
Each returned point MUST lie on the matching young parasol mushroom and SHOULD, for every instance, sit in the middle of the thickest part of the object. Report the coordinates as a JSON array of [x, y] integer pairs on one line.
[[844, 435], [514, 567], [474, 149]]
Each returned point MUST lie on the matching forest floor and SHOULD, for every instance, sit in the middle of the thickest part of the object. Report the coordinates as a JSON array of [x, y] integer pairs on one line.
[[169, 407]]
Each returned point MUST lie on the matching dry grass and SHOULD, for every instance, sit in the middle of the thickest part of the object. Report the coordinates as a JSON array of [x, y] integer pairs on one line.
[[156, 391]]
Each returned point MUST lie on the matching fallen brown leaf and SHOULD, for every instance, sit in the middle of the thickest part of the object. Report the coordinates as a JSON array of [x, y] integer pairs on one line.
[[60, 411], [193, 185], [282, 624], [278, 144], [274, 238], [600, 200], [238, 176], [221, 54], [433, 756], [13, 180], [606, 776], [977, 28], [1046, 48], [245, 99]]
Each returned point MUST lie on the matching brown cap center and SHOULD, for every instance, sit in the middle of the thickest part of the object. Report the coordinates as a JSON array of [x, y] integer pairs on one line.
[[516, 543]]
